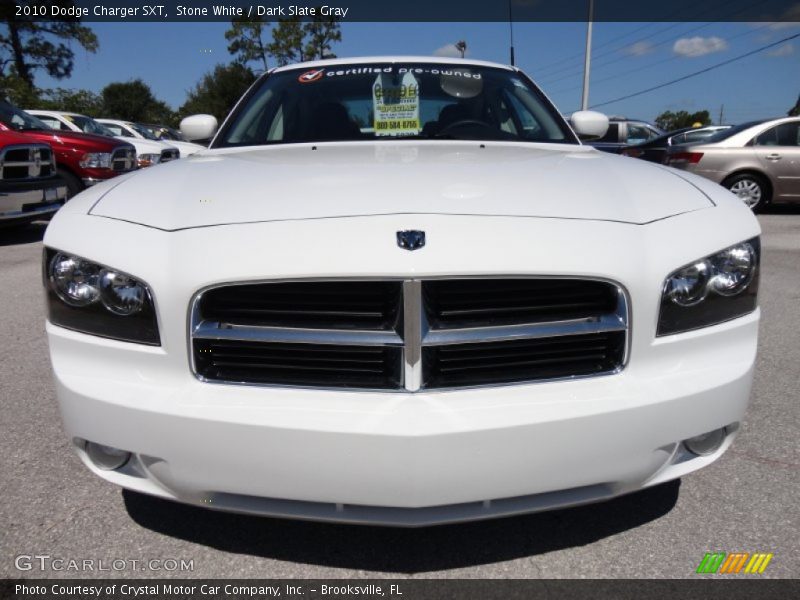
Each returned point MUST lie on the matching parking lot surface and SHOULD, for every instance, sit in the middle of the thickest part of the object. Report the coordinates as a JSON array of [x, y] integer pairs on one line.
[[746, 502]]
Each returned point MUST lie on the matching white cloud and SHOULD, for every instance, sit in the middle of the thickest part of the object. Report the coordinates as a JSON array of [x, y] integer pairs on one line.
[[639, 48], [699, 46], [449, 51], [783, 50]]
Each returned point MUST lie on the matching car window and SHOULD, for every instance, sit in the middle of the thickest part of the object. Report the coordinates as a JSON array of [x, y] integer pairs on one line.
[[694, 136], [53, 123], [637, 134], [117, 130], [377, 101], [785, 134], [612, 134], [678, 139]]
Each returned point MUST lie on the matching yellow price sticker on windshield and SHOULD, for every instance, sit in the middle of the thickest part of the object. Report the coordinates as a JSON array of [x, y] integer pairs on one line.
[[395, 105]]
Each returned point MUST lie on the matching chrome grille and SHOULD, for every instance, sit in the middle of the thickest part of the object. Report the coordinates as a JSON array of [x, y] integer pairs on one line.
[[26, 162], [409, 335], [123, 159]]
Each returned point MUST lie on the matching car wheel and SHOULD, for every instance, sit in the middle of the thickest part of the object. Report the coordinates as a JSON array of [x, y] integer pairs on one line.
[[74, 185], [752, 189]]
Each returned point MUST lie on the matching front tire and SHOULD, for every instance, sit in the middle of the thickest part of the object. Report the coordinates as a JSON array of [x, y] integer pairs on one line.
[[74, 185], [752, 189]]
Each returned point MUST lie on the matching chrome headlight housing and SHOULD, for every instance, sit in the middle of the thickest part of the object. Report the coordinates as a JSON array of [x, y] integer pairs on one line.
[[148, 160], [711, 290], [91, 298], [96, 160]]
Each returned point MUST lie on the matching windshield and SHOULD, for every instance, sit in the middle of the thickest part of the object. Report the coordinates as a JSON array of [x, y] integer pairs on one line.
[[89, 125], [143, 131], [15, 118], [379, 101]]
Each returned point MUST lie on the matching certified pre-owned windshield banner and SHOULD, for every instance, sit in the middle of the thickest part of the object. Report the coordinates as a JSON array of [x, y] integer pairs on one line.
[[407, 10], [396, 589]]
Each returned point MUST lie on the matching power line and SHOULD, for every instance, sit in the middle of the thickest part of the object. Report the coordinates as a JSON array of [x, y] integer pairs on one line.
[[710, 10], [655, 63], [701, 71], [548, 79]]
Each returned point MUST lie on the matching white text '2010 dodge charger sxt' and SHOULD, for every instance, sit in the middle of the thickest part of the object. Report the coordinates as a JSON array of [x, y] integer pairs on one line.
[[400, 291]]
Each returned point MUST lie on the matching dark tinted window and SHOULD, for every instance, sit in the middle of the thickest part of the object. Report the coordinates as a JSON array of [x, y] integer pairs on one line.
[[612, 134], [394, 100], [785, 134]]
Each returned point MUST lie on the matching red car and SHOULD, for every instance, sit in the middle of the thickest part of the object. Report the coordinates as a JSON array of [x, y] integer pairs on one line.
[[30, 189], [82, 159]]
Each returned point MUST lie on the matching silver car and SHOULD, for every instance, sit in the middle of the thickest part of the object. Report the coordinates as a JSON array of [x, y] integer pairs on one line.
[[758, 161]]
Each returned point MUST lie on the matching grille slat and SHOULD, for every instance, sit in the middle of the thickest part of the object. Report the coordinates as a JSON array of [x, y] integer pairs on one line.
[[345, 305], [529, 360], [298, 364], [458, 303], [355, 334]]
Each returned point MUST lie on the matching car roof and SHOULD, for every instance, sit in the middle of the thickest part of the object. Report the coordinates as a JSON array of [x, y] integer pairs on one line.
[[434, 60]]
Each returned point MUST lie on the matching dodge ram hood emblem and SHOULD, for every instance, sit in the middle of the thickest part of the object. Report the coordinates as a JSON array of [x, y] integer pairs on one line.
[[411, 239]]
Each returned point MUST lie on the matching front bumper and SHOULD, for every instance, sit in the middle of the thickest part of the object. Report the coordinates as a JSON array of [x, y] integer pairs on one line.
[[28, 201], [403, 459], [400, 458]]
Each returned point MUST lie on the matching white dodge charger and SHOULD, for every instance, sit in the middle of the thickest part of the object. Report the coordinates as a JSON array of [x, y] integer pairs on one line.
[[400, 291]]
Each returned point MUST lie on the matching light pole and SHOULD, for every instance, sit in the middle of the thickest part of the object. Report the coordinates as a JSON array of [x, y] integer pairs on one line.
[[588, 58]]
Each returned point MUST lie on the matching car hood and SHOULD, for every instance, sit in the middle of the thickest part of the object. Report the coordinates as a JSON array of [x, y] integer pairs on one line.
[[186, 148], [146, 146], [305, 181], [72, 139]]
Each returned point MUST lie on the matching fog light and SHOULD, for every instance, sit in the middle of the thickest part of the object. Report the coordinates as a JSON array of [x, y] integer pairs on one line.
[[106, 458], [706, 443]]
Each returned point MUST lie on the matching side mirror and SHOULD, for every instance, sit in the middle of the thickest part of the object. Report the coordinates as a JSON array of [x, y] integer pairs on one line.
[[589, 124], [199, 127]]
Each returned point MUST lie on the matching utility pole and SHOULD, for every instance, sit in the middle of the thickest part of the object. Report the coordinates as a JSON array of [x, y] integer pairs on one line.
[[511, 32], [588, 59], [721, 112]]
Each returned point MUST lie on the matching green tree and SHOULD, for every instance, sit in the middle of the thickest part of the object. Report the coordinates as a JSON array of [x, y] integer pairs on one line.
[[293, 40], [78, 101], [246, 41], [287, 45], [29, 44], [669, 121], [16, 91], [320, 35], [134, 101], [218, 91]]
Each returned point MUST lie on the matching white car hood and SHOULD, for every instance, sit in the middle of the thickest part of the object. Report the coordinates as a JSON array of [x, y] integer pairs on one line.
[[186, 148], [305, 181], [145, 146]]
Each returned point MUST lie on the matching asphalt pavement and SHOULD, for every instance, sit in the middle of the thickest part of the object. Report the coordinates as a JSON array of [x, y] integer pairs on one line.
[[50, 505]]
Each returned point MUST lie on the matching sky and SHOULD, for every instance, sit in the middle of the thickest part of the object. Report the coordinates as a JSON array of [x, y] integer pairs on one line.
[[626, 58]]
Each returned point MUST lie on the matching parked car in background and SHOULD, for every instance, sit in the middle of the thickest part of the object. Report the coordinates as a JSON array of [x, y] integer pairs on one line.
[[30, 188], [440, 310], [134, 131], [82, 159], [164, 132], [148, 153], [655, 150], [758, 161], [624, 132]]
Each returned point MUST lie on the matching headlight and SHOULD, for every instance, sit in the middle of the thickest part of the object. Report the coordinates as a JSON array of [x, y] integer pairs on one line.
[[711, 290], [96, 160], [95, 299], [147, 160]]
